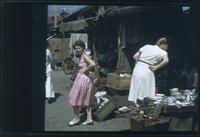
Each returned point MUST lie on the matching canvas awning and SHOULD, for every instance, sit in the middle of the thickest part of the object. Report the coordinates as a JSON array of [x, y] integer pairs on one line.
[[74, 26], [114, 10]]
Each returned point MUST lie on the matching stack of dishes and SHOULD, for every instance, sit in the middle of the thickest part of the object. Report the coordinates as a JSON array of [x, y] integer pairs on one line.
[[159, 98]]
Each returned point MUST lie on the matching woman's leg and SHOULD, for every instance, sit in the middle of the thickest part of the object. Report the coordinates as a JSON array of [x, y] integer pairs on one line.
[[89, 116], [89, 113], [76, 110], [76, 119]]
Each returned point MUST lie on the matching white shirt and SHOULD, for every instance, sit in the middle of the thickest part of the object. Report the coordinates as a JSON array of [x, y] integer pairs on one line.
[[152, 54], [49, 59]]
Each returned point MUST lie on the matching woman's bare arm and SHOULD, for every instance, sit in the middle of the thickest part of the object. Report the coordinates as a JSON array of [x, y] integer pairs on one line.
[[137, 56], [90, 63], [164, 62]]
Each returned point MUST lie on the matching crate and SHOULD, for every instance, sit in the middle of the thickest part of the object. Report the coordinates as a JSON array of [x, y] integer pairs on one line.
[[119, 83], [150, 124]]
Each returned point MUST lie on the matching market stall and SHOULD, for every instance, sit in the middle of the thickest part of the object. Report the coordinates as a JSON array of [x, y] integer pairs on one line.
[[178, 112], [114, 39]]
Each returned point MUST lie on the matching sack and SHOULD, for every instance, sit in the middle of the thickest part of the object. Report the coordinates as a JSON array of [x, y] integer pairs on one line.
[[74, 74]]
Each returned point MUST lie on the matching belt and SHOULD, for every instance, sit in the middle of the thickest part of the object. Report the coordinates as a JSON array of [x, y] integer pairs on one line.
[[144, 62]]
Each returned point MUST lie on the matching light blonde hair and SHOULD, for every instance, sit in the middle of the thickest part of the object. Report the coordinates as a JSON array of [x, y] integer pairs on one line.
[[162, 41]]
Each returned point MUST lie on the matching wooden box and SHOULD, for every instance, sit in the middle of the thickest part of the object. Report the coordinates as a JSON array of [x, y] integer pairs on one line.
[[160, 124], [117, 82]]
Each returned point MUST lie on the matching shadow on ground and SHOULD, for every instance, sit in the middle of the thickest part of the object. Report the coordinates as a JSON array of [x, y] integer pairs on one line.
[[57, 95]]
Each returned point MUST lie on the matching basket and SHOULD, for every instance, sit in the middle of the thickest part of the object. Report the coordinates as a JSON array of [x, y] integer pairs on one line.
[[106, 110]]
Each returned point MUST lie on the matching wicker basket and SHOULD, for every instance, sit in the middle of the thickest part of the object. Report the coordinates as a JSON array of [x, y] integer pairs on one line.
[[106, 110]]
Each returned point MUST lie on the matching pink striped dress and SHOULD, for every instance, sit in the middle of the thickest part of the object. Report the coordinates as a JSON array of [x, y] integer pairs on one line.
[[82, 91]]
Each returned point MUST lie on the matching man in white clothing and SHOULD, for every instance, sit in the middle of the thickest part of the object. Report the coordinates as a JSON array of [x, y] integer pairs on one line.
[[50, 95]]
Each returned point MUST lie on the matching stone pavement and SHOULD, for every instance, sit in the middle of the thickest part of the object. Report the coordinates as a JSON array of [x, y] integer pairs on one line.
[[59, 113]]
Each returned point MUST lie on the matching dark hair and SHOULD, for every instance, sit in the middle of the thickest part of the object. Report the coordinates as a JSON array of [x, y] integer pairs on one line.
[[162, 41], [79, 43]]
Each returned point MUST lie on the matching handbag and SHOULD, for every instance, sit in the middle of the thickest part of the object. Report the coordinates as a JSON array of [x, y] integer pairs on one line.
[[74, 74]]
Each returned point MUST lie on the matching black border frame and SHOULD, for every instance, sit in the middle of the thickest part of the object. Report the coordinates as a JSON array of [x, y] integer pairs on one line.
[[34, 26]]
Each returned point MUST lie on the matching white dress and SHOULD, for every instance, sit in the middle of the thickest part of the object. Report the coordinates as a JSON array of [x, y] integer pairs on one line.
[[143, 80], [48, 85]]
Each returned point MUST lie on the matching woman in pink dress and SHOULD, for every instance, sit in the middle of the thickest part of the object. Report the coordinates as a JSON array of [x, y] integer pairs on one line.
[[148, 59], [82, 91]]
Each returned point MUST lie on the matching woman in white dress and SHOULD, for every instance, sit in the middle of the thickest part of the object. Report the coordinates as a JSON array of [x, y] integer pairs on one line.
[[148, 59]]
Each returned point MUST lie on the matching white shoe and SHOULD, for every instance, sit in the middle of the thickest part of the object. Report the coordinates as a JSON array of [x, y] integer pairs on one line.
[[91, 122], [74, 122]]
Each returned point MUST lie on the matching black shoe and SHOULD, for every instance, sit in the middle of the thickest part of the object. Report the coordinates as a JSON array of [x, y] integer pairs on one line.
[[51, 100]]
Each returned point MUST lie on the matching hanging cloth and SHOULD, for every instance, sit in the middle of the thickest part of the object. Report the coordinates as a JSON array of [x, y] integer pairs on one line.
[[122, 63]]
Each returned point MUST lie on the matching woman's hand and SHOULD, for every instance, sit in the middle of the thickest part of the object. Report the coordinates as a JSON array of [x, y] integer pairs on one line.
[[90, 63], [163, 63], [153, 68], [81, 71]]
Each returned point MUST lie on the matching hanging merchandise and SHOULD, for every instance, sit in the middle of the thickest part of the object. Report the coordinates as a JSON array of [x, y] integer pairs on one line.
[[122, 64]]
